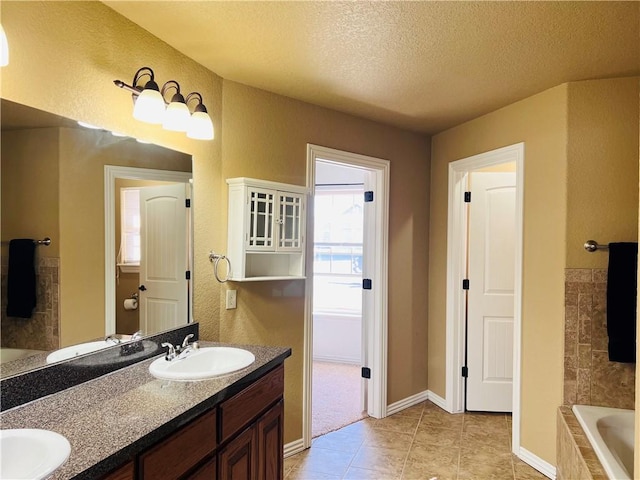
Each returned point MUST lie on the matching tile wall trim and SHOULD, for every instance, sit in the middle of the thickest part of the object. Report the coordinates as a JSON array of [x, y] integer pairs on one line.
[[294, 447], [438, 400], [536, 462], [407, 402]]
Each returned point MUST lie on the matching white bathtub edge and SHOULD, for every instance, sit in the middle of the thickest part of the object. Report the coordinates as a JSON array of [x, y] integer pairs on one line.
[[587, 416]]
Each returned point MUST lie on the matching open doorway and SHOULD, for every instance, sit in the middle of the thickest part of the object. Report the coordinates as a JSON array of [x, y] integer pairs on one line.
[[355, 183], [338, 216], [488, 261], [164, 237]]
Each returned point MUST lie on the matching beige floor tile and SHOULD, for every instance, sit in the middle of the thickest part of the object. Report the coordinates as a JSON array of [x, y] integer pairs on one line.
[[425, 471], [339, 440], [356, 473], [485, 419], [306, 474], [485, 466], [327, 461], [430, 435], [394, 423], [485, 441], [435, 455], [525, 472], [442, 420], [383, 460], [389, 439], [415, 411]]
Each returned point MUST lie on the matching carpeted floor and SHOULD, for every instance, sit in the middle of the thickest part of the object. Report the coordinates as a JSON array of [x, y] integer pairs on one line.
[[336, 396]]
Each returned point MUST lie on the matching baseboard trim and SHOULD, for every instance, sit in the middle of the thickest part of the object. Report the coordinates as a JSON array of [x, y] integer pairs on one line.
[[536, 462], [294, 447], [438, 400], [407, 402]]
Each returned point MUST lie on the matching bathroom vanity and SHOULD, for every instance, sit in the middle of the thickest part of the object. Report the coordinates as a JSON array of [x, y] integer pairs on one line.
[[129, 425]]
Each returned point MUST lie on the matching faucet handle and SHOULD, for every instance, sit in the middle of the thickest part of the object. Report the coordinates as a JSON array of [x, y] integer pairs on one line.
[[171, 353], [136, 336], [185, 342]]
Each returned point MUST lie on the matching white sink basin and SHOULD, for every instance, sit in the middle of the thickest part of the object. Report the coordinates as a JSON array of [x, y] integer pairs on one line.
[[80, 349], [31, 453], [201, 364]]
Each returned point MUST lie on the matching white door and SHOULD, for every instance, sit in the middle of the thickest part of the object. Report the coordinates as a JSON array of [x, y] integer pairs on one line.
[[163, 258], [490, 306]]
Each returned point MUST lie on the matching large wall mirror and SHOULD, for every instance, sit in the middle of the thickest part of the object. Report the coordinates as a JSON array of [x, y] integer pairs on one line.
[[117, 213]]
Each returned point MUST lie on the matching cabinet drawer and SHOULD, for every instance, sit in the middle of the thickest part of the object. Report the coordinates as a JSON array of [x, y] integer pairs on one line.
[[208, 471], [240, 409], [181, 451]]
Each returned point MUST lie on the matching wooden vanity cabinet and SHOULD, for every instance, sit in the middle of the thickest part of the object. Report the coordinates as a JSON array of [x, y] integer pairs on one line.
[[242, 438]]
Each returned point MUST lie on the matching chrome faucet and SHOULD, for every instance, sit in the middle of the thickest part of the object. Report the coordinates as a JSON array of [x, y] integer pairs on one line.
[[136, 336], [186, 348], [171, 353]]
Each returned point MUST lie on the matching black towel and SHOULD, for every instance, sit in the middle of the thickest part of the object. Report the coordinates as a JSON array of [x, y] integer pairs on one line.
[[21, 278], [622, 294]]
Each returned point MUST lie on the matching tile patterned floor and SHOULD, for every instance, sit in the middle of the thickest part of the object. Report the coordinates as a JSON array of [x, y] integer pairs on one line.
[[422, 442]]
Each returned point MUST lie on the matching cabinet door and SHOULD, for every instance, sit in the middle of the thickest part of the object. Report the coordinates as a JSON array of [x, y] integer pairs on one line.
[[270, 433], [125, 472], [261, 218], [239, 459], [290, 221]]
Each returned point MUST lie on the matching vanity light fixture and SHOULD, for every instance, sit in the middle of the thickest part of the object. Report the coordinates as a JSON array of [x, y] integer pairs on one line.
[[4, 48], [176, 116], [151, 106], [200, 124]]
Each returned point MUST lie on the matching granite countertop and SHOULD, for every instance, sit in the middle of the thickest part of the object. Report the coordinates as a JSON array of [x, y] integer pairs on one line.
[[112, 418]]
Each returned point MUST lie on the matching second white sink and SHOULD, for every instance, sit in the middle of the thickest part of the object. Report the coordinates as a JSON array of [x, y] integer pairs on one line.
[[201, 364], [34, 454]]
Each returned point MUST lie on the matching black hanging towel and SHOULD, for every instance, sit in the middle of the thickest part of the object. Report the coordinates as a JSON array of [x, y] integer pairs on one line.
[[21, 278], [622, 294]]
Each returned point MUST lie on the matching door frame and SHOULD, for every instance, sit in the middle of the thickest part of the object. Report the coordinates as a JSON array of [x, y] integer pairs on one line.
[[376, 341], [111, 173], [456, 272]]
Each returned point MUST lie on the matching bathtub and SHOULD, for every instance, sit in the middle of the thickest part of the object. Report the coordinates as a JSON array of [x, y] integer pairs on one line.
[[11, 354], [610, 431]]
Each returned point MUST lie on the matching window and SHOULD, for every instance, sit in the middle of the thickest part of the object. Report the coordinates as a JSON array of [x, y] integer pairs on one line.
[[129, 257], [337, 252]]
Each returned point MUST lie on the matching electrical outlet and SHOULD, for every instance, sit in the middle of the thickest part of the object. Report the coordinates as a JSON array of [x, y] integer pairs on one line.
[[231, 299]]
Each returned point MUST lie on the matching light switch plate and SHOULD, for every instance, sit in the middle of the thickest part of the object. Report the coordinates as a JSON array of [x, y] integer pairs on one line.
[[231, 299]]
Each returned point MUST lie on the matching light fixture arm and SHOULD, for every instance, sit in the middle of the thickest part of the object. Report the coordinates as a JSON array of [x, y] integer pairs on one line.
[[177, 97], [200, 106], [135, 89]]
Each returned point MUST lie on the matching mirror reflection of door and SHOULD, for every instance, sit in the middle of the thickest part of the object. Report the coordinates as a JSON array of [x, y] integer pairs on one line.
[[152, 251]]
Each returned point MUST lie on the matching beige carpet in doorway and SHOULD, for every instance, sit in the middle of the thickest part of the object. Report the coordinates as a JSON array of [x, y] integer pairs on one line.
[[336, 396]]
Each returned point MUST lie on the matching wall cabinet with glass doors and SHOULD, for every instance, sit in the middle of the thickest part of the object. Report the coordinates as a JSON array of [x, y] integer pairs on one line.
[[266, 228]]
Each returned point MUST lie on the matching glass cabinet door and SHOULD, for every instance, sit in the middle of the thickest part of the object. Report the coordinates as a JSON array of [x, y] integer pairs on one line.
[[261, 220], [289, 221]]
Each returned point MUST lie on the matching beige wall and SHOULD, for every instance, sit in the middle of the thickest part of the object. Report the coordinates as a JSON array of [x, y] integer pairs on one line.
[[84, 43], [64, 58], [540, 122], [265, 136], [602, 169], [30, 187]]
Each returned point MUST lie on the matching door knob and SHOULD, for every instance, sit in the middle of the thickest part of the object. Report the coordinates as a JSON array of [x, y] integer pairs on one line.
[[142, 288]]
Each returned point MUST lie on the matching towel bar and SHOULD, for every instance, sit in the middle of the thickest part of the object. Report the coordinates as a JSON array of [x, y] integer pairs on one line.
[[46, 241], [592, 246]]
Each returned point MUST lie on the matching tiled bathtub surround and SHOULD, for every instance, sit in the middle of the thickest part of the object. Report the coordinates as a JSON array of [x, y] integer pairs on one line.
[[589, 377], [41, 331], [576, 458]]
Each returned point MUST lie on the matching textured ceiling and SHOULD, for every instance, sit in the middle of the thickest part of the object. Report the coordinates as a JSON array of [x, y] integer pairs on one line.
[[424, 66]]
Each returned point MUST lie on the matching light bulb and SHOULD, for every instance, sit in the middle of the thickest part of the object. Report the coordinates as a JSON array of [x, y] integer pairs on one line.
[[176, 117], [200, 126], [4, 48], [149, 105]]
